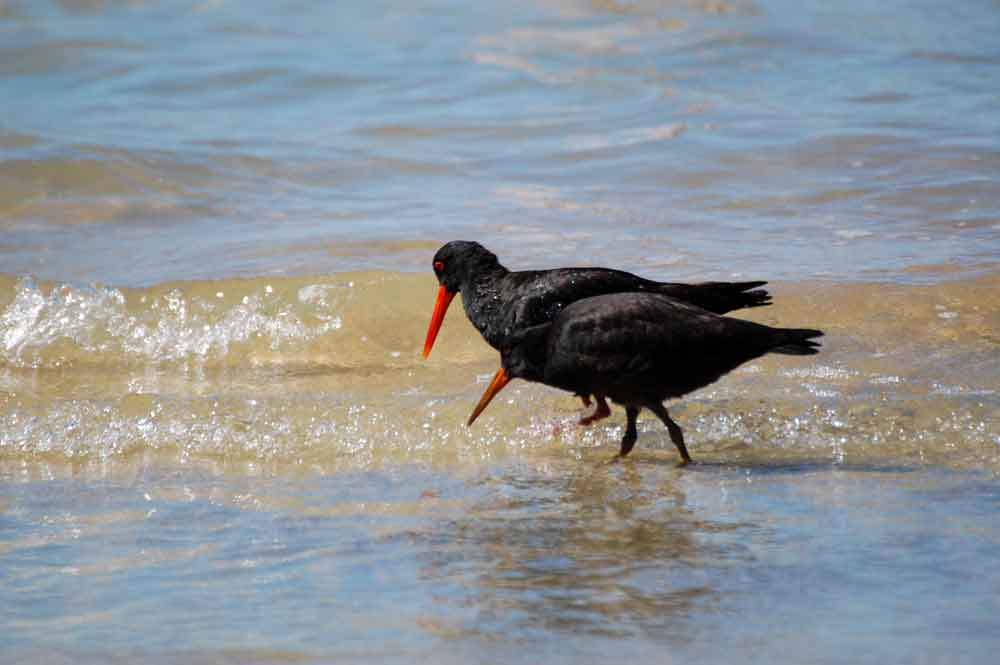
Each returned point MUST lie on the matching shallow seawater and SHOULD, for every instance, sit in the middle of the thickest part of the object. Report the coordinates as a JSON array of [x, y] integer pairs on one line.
[[266, 471], [547, 558], [193, 139], [325, 373], [219, 443]]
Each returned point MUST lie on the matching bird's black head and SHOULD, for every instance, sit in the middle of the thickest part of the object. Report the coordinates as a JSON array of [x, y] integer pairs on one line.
[[459, 261], [524, 352], [457, 264]]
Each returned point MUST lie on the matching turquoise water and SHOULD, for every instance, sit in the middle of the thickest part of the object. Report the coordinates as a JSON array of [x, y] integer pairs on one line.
[[219, 443]]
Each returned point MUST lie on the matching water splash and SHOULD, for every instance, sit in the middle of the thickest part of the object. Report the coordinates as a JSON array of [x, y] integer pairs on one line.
[[66, 324]]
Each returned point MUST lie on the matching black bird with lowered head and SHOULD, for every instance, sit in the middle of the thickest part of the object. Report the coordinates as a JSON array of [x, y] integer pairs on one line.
[[499, 302], [638, 349]]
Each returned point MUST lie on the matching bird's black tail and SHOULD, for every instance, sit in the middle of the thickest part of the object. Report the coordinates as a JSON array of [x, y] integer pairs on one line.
[[797, 341], [719, 297]]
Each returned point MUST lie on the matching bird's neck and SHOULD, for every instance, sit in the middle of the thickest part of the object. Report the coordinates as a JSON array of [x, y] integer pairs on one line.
[[483, 276], [481, 292]]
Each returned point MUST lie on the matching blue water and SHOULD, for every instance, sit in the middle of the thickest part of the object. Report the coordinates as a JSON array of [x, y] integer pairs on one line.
[[574, 564], [212, 139]]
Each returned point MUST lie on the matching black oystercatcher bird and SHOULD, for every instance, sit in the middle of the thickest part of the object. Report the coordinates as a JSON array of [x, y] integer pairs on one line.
[[499, 302], [639, 349]]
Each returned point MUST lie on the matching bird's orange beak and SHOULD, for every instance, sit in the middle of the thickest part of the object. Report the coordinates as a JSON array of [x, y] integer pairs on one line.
[[500, 379], [440, 307]]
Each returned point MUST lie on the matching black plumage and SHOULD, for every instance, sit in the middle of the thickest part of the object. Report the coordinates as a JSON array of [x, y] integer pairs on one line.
[[639, 349], [500, 302]]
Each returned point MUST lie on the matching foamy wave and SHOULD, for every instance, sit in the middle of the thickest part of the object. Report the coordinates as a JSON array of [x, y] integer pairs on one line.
[[62, 324]]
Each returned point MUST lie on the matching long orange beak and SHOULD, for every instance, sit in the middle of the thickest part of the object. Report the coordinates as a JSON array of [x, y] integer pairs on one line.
[[440, 307], [500, 379]]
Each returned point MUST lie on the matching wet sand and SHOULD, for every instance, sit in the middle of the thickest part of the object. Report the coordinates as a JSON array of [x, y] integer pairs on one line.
[[292, 494]]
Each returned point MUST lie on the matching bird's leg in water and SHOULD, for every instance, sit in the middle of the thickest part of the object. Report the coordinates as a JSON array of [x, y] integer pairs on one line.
[[631, 413], [675, 432], [602, 411]]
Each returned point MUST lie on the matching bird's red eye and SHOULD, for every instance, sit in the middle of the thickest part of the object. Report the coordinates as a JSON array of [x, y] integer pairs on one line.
[[439, 265]]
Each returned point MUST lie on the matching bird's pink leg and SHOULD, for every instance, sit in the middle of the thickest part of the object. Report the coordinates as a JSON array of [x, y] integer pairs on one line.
[[602, 411]]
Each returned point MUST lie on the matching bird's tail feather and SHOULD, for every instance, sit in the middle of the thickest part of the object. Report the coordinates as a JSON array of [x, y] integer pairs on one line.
[[798, 342], [719, 297], [744, 297]]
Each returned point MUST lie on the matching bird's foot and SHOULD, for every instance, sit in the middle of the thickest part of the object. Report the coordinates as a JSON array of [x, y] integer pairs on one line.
[[602, 411], [591, 419]]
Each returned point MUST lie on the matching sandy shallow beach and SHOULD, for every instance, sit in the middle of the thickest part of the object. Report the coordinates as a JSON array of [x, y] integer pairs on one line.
[[219, 442], [308, 491]]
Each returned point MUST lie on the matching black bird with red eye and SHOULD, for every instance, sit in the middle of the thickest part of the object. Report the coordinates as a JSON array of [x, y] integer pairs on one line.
[[499, 302]]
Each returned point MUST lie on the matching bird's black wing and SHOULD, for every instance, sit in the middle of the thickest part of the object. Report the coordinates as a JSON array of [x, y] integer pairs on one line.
[[537, 296], [634, 341]]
